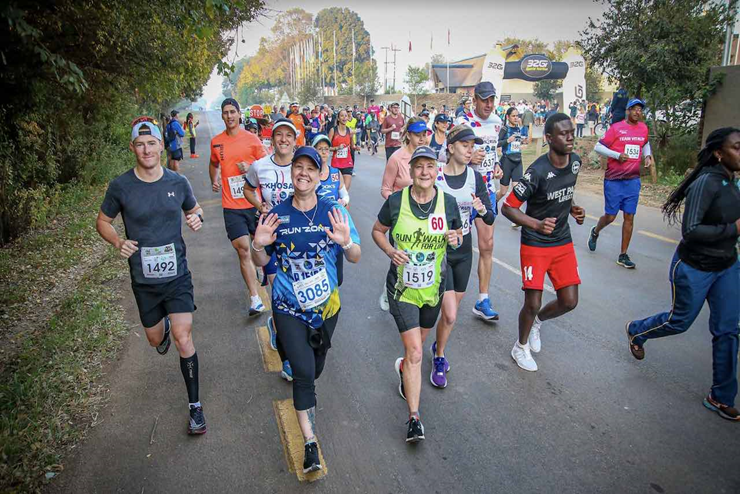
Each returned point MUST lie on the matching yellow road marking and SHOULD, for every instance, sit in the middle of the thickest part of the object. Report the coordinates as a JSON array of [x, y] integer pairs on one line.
[[292, 439], [270, 358], [658, 237], [596, 218]]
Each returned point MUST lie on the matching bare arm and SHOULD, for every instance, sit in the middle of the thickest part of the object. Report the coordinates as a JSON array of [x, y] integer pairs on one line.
[[105, 229], [389, 178], [381, 240], [213, 173]]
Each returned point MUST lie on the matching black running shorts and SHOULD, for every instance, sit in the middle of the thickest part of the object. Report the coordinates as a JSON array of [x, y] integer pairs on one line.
[[409, 316], [458, 273], [156, 301], [176, 155], [240, 222], [513, 171]]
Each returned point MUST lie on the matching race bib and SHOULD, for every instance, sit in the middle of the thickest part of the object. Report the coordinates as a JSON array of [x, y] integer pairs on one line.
[[419, 276], [342, 152], [159, 262], [632, 151], [395, 136], [312, 291], [436, 223], [236, 185], [515, 146], [465, 214]]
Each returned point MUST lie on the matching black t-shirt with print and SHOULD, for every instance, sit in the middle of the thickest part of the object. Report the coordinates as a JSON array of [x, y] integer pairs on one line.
[[548, 192]]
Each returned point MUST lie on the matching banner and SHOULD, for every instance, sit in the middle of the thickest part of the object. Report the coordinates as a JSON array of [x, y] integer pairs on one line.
[[574, 84], [493, 68]]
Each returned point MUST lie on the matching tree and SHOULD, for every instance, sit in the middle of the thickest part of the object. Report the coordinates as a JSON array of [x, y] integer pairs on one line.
[[416, 79], [593, 83], [366, 79], [342, 21], [230, 82], [526, 47], [659, 50], [546, 89]]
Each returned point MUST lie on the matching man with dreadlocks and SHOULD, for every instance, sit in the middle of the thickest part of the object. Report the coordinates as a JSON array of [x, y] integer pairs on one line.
[[705, 266]]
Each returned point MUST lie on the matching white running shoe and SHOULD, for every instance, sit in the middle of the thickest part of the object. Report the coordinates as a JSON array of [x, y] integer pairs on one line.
[[383, 300], [523, 357], [535, 343], [256, 306]]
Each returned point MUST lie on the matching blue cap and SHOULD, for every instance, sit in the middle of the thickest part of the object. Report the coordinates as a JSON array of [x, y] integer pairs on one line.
[[308, 152], [418, 127], [441, 117], [146, 128], [484, 90], [635, 101], [423, 152]]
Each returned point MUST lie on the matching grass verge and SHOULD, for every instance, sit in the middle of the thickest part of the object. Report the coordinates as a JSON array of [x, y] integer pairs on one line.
[[59, 322]]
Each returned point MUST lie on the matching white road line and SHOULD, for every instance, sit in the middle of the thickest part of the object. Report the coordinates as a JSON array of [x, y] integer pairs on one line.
[[509, 267]]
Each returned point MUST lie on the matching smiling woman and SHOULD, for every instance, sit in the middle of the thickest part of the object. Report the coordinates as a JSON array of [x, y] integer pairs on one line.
[[305, 292]]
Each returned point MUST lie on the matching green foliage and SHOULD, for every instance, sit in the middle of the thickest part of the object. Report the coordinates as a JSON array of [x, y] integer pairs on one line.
[[342, 21], [594, 83], [416, 79], [546, 89], [77, 71], [366, 79], [660, 51], [676, 157]]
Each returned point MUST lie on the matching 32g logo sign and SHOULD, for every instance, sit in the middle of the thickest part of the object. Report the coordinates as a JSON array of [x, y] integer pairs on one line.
[[495, 66], [537, 64], [578, 63]]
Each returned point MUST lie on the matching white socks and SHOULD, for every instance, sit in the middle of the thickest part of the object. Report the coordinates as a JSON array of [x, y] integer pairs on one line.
[[482, 297]]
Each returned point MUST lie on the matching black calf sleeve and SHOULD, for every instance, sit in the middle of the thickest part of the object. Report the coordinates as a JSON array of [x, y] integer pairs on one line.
[[189, 368]]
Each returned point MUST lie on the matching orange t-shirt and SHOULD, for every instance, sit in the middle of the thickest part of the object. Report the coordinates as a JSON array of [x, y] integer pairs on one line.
[[297, 120], [226, 152]]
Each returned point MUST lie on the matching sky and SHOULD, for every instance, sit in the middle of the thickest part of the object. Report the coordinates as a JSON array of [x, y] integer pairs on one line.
[[426, 23]]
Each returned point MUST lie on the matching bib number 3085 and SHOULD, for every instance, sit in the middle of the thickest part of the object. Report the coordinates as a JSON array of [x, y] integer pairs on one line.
[[312, 291], [159, 262]]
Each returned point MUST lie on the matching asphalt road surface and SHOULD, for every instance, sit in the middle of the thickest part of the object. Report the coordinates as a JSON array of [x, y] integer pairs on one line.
[[592, 419]]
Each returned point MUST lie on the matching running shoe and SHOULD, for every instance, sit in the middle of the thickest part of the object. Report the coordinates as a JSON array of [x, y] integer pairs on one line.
[[636, 350], [399, 372], [592, 238], [287, 372], [256, 307], [273, 333], [311, 461], [728, 413], [197, 423], [434, 354], [163, 347], [483, 310], [625, 261], [523, 357], [194, 156], [383, 301], [416, 430], [535, 343], [438, 376]]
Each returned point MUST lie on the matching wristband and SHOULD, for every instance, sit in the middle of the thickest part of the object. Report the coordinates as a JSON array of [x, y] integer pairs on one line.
[[349, 245], [201, 218], [255, 249]]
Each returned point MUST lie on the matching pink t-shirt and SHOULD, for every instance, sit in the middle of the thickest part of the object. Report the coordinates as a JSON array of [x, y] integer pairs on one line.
[[397, 174], [623, 137]]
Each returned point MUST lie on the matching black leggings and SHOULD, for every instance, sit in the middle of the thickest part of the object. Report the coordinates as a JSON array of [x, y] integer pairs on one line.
[[192, 145], [307, 363]]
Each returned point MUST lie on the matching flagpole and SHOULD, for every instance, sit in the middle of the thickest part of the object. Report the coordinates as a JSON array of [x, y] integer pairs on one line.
[[353, 61], [448, 60]]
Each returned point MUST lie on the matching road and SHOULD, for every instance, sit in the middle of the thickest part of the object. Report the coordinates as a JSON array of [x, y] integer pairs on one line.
[[592, 419]]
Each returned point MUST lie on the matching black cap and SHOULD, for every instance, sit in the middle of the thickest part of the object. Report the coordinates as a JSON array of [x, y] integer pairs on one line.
[[423, 152], [424, 112], [174, 113], [232, 102], [441, 117], [485, 90]]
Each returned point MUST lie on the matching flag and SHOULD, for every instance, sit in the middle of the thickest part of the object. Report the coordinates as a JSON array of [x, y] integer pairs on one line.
[[409, 41], [448, 37]]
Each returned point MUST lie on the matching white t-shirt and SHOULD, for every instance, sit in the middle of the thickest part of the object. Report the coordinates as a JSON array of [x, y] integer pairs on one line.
[[487, 130], [272, 180]]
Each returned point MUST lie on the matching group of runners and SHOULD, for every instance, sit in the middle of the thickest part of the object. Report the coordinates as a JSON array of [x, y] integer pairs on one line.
[[286, 212]]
